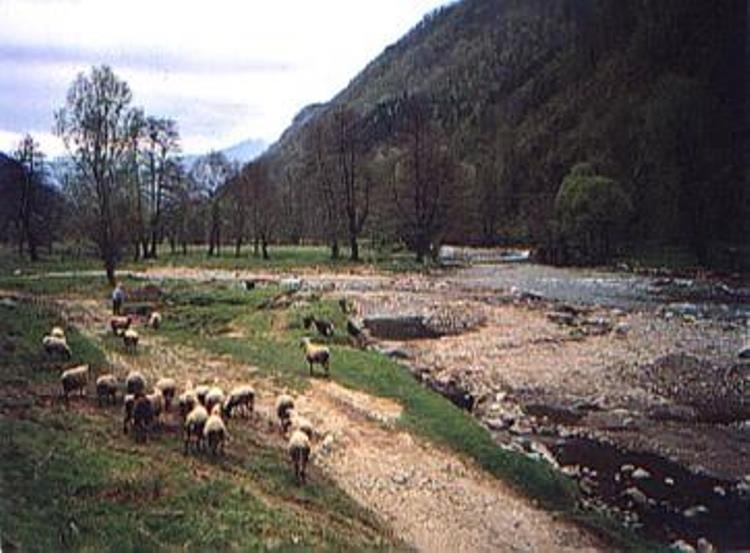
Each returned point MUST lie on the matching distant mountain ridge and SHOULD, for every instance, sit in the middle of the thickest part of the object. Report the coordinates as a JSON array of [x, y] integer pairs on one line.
[[241, 152]]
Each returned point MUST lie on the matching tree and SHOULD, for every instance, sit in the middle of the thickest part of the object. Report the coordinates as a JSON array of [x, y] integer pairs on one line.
[[354, 186], [423, 178], [95, 126], [263, 200], [162, 141], [211, 173], [591, 211], [323, 169], [31, 159]]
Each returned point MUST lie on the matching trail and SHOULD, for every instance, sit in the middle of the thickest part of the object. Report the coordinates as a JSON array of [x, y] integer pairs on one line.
[[433, 499]]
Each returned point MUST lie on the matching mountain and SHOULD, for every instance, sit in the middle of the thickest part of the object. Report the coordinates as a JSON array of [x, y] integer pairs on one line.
[[242, 152], [652, 94]]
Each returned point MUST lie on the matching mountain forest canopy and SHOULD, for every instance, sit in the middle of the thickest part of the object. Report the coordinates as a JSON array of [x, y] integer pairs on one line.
[[585, 128]]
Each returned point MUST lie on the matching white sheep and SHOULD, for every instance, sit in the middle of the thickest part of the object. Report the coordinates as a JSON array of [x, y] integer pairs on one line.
[[75, 379], [299, 451], [302, 424], [240, 397], [54, 346], [57, 332], [214, 431], [130, 339], [200, 392], [168, 388], [154, 320], [284, 406], [156, 398], [186, 401], [135, 383], [119, 324], [316, 354], [106, 388], [194, 426], [214, 396]]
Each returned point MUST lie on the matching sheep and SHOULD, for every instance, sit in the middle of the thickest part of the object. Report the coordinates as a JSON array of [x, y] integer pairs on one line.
[[214, 396], [143, 417], [154, 320], [240, 397], [284, 406], [194, 426], [156, 398], [316, 354], [200, 393], [75, 379], [186, 402], [324, 327], [57, 332], [302, 424], [119, 324], [299, 451], [128, 403], [54, 346], [168, 388], [135, 383], [214, 431], [106, 389], [130, 339]]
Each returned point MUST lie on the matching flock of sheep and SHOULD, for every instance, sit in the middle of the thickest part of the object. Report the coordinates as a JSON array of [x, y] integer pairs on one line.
[[203, 409]]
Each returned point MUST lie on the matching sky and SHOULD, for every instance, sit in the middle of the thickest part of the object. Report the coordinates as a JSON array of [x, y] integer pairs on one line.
[[225, 70]]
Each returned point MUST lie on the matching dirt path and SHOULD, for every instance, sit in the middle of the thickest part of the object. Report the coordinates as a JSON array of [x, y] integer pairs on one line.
[[433, 499]]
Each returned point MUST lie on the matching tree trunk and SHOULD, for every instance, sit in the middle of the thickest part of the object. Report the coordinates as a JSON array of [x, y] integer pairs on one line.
[[335, 249], [256, 246], [184, 247], [109, 267], [152, 253], [237, 247], [264, 247], [354, 245]]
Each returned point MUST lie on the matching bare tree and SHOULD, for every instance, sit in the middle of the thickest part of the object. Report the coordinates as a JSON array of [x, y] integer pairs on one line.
[[323, 168], [212, 172], [95, 126], [31, 158], [263, 203]]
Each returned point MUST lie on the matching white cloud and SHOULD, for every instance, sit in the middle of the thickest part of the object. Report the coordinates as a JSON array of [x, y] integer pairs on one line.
[[226, 70]]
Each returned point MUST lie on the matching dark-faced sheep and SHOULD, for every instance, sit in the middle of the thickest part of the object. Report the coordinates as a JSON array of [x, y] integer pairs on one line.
[[106, 389], [299, 451], [56, 347], [135, 383], [284, 406], [57, 332], [240, 399], [154, 320], [200, 392], [143, 418], [130, 339], [186, 401], [119, 324], [214, 396], [168, 388], [75, 379], [316, 354]]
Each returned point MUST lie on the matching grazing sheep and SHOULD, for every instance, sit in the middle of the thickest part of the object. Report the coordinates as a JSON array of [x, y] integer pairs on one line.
[[214, 431], [302, 424], [106, 389], [299, 450], [316, 354], [143, 417], [168, 388], [75, 379], [130, 339], [57, 332], [119, 324], [215, 396], [186, 401], [200, 393], [240, 397], [154, 320], [156, 398], [284, 406], [129, 403], [324, 327], [135, 383], [54, 346], [194, 426]]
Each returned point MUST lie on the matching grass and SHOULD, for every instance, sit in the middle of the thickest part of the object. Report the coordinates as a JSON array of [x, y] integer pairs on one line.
[[69, 480], [270, 341]]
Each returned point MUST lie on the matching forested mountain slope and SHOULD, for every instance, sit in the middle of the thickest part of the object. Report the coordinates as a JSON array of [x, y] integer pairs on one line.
[[650, 94]]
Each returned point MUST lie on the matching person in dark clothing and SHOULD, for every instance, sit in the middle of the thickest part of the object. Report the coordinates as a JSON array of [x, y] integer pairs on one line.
[[118, 296]]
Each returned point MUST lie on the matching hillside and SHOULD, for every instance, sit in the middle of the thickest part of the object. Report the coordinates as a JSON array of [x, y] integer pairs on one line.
[[652, 95]]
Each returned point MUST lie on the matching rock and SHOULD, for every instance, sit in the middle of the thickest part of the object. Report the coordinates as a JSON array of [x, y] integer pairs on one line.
[[290, 284], [621, 329], [744, 352], [627, 469], [401, 478], [640, 474], [399, 327], [681, 546], [695, 511], [10, 303], [396, 353], [636, 496], [682, 413], [684, 309], [718, 490], [596, 326], [669, 481], [705, 546], [497, 424], [561, 318], [17, 272], [561, 414]]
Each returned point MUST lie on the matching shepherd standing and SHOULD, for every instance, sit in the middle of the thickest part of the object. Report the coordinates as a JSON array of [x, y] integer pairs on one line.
[[118, 296]]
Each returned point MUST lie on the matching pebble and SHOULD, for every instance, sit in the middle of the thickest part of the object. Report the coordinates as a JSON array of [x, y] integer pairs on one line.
[[682, 546], [694, 511], [641, 474]]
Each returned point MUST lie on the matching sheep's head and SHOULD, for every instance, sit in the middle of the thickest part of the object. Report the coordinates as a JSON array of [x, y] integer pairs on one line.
[[304, 342]]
